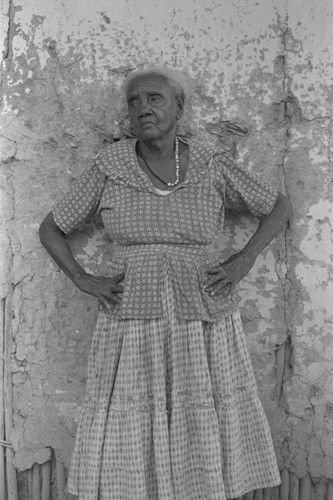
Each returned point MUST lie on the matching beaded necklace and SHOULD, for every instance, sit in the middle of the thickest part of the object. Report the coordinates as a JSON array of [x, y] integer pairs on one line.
[[169, 184]]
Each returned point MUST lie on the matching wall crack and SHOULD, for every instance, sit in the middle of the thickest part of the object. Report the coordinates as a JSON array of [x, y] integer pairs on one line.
[[9, 35], [287, 112]]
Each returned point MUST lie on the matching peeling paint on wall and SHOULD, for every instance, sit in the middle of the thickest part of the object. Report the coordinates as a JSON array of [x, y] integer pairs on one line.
[[265, 65]]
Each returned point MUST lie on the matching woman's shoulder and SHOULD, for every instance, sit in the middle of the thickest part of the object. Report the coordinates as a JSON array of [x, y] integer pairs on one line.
[[206, 152], [204, 146], [110, 158]]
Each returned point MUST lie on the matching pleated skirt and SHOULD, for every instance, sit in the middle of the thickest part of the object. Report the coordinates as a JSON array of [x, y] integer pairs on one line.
[[171, 413]]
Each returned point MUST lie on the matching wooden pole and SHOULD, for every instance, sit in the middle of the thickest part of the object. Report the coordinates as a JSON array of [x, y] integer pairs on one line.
[[29, 473], [330, 491], [249, 495], [46, 481], [3, 492], [305, 488], [258, 495], [275, 493], [61, 480], [293, 487], [321, 491], [267, 494], [12, 493], [36, 482], [284, 488]]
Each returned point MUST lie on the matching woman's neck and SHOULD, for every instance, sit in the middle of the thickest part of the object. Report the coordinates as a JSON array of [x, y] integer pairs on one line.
[[158, 149]]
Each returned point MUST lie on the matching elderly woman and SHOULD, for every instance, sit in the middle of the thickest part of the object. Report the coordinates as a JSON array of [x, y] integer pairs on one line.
[[171, 410]]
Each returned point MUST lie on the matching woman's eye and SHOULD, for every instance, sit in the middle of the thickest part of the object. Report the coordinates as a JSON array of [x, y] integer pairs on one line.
[[133, 103], [155, 98]]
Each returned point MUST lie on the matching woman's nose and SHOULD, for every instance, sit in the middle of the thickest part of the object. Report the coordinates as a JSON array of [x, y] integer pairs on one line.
[[145, 108]]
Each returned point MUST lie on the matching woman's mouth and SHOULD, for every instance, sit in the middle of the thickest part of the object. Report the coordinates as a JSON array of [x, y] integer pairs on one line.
[[147, 123]]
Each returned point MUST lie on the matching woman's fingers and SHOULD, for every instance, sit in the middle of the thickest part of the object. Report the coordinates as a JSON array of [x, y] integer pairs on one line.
[[227, 274], [212, 282], [109, 290], [114, 288], [221, 287], [119, 277], [221, 278], [217, 285], [216, 269], [105, 289], [232, 288], [107, 300], [105, 304], [114, 298], [108, 284]]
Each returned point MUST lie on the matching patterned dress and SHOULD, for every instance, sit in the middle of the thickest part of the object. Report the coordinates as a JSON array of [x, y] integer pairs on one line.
[[171, 410]]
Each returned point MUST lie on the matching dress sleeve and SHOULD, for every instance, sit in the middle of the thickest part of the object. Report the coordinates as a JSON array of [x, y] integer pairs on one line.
[[81, 202], [244, 191]]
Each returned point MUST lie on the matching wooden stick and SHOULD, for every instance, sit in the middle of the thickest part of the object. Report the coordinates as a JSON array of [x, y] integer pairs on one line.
[[29, 474], [46, 481], [284, 488], [10, 469], [305, 488], [320, 491], [293, 487], [36, 482], [258, 495], [3, 493], [267, 494], [5, 444], [275, 493], [61, 480], [330, 491]]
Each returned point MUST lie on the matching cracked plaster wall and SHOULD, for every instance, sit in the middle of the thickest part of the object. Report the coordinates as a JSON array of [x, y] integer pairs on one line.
[[266, 63]]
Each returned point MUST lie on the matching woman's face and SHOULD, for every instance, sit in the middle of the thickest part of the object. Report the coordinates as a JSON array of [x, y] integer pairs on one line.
[[153, 107]]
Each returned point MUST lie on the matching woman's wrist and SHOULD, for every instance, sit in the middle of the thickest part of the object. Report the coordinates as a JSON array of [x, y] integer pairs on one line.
[[78, 275], [249, 254]]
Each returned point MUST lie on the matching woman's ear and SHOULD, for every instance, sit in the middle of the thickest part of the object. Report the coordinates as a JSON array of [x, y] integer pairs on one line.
[[180, 106]]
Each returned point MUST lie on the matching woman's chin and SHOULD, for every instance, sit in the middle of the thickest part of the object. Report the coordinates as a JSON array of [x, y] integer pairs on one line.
[[148, 134]]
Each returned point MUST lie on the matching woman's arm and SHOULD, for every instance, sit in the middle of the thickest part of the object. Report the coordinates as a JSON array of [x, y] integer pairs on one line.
[[54, 240], [230, 272]]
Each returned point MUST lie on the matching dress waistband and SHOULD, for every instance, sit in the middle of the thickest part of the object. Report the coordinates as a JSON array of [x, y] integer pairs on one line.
[[129, 250]]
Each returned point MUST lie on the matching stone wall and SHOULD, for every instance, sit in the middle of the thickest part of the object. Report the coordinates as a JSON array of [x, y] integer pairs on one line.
[[266, 65]]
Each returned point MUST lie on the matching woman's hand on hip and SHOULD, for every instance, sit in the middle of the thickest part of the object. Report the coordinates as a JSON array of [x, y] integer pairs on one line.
[[105, 289], [225, 276]]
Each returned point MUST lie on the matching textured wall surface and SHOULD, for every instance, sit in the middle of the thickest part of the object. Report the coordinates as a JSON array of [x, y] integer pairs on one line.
[[266, 64]]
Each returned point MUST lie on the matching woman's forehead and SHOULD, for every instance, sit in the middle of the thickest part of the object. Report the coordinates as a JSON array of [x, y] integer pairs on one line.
[[148, 83]]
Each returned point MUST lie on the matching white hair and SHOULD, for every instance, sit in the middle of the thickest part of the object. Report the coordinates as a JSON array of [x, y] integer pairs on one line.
[[175, 79]]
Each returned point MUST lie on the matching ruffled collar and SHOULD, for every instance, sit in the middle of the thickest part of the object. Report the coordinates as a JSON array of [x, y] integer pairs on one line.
[[123, 154]]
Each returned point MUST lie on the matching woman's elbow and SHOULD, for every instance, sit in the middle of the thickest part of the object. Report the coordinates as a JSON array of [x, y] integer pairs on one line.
[[285, 206], [46, 228]]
